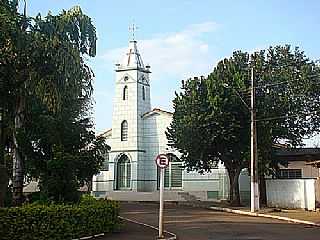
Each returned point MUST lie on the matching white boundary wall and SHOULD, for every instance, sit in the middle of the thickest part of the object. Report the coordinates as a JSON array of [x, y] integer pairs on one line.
[[291, 193]]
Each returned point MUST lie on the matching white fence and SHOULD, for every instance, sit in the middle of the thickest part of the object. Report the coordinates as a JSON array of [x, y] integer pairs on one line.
[[291, 193]]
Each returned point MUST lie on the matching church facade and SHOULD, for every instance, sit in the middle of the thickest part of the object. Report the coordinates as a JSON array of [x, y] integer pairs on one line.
[[138, 135]]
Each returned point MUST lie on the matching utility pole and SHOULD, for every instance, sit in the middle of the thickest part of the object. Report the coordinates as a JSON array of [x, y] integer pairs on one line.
[[254, 155]]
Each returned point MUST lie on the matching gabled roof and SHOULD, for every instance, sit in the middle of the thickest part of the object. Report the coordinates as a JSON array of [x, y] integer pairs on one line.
[[154, 111], [106, 133]]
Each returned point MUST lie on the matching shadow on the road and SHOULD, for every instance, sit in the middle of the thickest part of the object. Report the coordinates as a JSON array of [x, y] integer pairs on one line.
[[190, 223]]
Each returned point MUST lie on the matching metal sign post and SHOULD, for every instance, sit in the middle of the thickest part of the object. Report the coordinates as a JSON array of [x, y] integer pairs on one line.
[[162, 162], [161, 203]]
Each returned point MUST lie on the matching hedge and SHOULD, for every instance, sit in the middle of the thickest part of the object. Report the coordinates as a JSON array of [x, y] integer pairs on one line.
[[61, 222]]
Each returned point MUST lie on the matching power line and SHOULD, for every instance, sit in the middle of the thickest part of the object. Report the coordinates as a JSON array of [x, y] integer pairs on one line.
[[286, 116], [284, 82], [281, 83]]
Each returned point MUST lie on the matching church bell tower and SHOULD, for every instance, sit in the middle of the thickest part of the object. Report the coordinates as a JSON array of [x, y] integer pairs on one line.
[[131, 101]]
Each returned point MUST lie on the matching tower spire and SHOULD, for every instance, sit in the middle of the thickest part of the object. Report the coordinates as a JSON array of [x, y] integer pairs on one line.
[[133, 28]]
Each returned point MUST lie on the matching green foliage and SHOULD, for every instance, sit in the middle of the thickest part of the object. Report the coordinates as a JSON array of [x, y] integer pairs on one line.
[[87, 199], [288, 104], [46, 99], [211, 123], [58, 221]]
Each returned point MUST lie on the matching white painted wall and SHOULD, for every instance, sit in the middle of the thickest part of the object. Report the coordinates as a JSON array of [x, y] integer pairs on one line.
[[291, 193], [154, 142]]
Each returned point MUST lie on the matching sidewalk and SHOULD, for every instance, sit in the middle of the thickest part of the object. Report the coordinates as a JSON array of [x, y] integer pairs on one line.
[[295, 214], [291, 215]]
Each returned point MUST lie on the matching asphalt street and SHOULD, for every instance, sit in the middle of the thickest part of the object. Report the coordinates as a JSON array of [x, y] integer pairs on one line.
[[191, 223]]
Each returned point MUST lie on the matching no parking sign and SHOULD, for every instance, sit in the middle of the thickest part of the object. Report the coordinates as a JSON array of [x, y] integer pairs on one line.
[[162, 161]]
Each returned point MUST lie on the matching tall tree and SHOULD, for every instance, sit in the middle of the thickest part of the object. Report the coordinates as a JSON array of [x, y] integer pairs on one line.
[[211, 120], [48, 60], [11, 39], [210, 123]]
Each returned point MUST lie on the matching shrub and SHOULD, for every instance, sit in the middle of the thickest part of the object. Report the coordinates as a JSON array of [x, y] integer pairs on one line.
[[87, 199], [53, 221]]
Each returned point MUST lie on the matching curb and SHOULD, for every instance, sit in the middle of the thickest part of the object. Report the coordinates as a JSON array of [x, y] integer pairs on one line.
[[220, 209], [89, 237], [174, 236]]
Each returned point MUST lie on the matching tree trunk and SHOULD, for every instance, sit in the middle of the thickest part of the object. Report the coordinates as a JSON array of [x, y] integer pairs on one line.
[[89, 185], [231, 188], [3, 184], [18, 161], [262, 190], [234, 193], [3, 169], [237, 200]]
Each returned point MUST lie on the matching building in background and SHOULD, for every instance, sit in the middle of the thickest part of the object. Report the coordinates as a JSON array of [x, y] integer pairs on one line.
[[297, 181], [298, 163], [138, 136]]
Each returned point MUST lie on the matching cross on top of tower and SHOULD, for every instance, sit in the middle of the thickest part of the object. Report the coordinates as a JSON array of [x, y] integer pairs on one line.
[[133, 28]]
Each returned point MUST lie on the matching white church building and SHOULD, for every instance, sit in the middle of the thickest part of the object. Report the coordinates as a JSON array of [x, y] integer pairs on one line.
[[137, 136]]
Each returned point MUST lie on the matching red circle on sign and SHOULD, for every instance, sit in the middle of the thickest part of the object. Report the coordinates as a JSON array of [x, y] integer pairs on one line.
[[162, 161]]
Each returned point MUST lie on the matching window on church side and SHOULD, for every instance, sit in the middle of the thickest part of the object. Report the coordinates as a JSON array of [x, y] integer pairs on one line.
[[143, 93], [125, 93], [124, 131], [105, 166]]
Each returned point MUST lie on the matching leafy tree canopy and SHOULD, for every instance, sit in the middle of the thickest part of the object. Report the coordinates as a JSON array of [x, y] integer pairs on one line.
[[211, 122], [47, 98]]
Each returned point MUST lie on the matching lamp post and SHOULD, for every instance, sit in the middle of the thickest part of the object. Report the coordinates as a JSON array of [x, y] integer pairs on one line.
[[254, 156]]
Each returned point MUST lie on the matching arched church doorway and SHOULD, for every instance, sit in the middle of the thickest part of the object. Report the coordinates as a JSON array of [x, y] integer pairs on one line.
[[172, 174], [123, 173]]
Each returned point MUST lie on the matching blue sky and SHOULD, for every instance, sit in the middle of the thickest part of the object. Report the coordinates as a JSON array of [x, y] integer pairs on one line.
[[184, 38]]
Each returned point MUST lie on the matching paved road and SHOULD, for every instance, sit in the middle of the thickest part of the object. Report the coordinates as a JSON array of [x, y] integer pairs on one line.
[[131, 231], [200, 224]]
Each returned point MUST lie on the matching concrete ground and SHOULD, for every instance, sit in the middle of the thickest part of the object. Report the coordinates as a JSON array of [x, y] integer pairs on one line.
[[301, 214], [298, 214], [190, 223], [131, 231]]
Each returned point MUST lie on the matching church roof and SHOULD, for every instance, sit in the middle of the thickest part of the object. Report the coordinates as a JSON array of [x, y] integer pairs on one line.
[[132, 59], [106, 133], [156, 110]]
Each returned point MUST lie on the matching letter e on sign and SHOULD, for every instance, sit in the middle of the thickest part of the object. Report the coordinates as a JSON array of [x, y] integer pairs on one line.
[[162, 161]]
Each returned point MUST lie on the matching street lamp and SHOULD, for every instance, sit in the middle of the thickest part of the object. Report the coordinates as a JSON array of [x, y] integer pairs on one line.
[[254, 156]]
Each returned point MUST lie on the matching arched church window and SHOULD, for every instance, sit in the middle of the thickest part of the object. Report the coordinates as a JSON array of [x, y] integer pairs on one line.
[[143, 93], [124, 131], [125, 93], [123, 173]]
